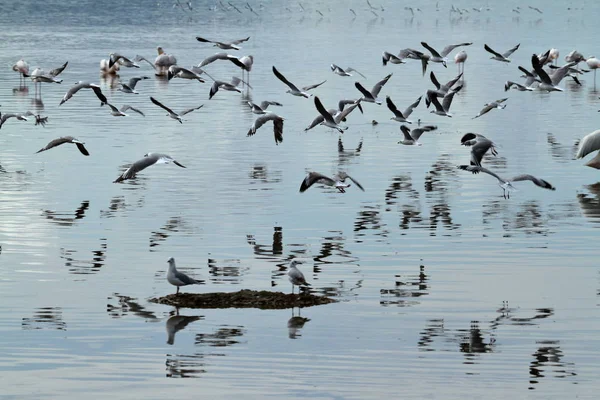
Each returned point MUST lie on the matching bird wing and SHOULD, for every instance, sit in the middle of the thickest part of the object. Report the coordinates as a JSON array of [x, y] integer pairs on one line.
[[393, 108], [477, 169], [113, 108], [236, 61], [56, 142], [310, 87], [535, 62], [260, 121], [313, 177], [484, 110], [478, 150], [318, 120], [128, 107], [560, 73], [99, 94], [448, 100], [140, 58], [431, 50], [240, 40], [56, 71], [335, 67], [364, 91], [377, 88], [282, 79], [158, 103], [410, 108], [136, 167], [133, 81], [451, 47], [323, 111], [344, 113], [278, 130], [406, 131], [527, 73], [434, 80], [81, 148], [590, 143], [74, 89], [509, 52], [433, 99], [214, 88], [355, 182], [489, 50], [214, 57], [189, 110], [265, 104], [350, 69], [200, 39], [452, 82], [539, 182]]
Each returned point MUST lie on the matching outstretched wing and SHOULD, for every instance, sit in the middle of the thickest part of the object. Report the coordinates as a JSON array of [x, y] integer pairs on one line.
[[451, 47], [189, 110], [356, 183], [282, 79], [321, 109], [128, 107], [310, 87], [410, 108], [377, 88], [314, 177], [393, 108], [509, 52], [539, 182], [158, 103], [431, 50], [489, 50]]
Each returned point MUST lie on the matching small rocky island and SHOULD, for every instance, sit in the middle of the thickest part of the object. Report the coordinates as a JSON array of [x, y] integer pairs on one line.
[[264, 300]]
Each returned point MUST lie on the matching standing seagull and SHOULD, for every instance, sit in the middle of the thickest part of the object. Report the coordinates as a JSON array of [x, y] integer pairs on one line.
[[505, 184], [501, 57], [411, 138], [173, 114], [490, 106], [63, 140], [177, 278], [371, 97], [148, 160], [296, 276], [293, 89], [590, 143], [224, 45], [479, 146], [84, 85], [337, 181], [277, 125], [401, 116]]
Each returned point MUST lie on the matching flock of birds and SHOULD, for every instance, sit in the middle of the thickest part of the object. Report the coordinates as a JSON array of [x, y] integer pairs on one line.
[[543, 75]]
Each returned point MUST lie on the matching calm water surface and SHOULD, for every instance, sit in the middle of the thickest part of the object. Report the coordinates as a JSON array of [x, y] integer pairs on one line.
[[445, 289]]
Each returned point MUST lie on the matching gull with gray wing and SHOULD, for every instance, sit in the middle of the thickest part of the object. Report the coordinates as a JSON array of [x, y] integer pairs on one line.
[[63, 140], [506, 184], [177, 278], [337, 181], [148, 160]]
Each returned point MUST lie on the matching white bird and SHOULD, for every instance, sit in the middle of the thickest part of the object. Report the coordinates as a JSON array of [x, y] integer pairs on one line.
[[590, 143], [130, 86], [233, 45], [177, 278], [593, 63], [293, 89], [411, 137], [84, 85], [371, 97], [344, 72], [575, 57], [401, 116], [479, 146], [460, 58], [490, 106], [506, 184], [148, 160], [277, 125], [163, 62], [4, 117], [501, 57], [296, 276], [262, 107], [444, 108], [173, 114], [63, 140], [22, 67], [124, 61], [245, 63], [337, 181]]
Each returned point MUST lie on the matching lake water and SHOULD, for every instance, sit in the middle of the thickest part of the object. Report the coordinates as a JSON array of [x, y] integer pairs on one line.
[[445, 289]]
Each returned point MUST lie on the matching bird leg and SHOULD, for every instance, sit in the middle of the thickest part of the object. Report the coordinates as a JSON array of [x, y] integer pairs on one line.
[[177, 290], [341, 189]]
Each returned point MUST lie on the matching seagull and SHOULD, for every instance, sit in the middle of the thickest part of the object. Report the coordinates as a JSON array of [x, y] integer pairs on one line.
[[295, 276], [224, 45], [148, 160], [338, 115], [38, 75], [390, 58], [262, 107], [173, 114], [277, 125], [501, 57], [337, 181], [506, 185], [401, 116], [121, 113], [230, 86], [130, 86], [220, 56], [4, 117], [293, 89], [176, 71], [124, 61], [547, 83], [460, 59], [177, 278], [490, 106], [63, 140], [328, 119], [371, 97], [411, 137], [39, 120], [344, 72], [441, 90], [479, 146], [441, 56], [531, 78], [444, 108], [588, 144], [245, 63], [84, 85]]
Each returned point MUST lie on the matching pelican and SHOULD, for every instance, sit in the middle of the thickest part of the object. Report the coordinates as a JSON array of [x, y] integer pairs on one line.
[[63, 140], [233, 45], [163, 62], [401, 116], [588, 144], [337, 181], [177, 278], [173, 114], [295, 276], [277, 125], [148, 160], [411, 137], [505, 184], [371, 97], [501, 57], [293, 89], [490, 106]]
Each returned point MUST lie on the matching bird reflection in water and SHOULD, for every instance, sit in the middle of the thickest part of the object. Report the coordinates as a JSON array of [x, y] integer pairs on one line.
[[295, 324], [474, 342], [268, 251], [261, 176], [590, 202], [45, 318], [406, 289], [92, 266], [67, 218], [177, 322], [527, 218], [128, 305], [224, 336], [547, 360], [173, 225], [226, 271], [185, 366], [345, 156], [369, 218], [560, 152]]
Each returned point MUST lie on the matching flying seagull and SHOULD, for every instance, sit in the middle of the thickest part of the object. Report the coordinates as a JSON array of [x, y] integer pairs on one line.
[[295, 276], [337, 181], [526, 86], [130, 86], [176, 71], [173, 114], [371, 97], [293, 89], [328, 119], [490, 106], [549, 83], [224, 45], [479, 146], [124, 61], [262, 107], [229, 86], [177, 278], [411, 137], [390, 58], [344, 72], [401, 116], [148, 160], [441, 57], [84, 85], [121, 112], [4, 117], [277, 125], [63, 140], [501, 57], [505, 184], [444, 108]]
